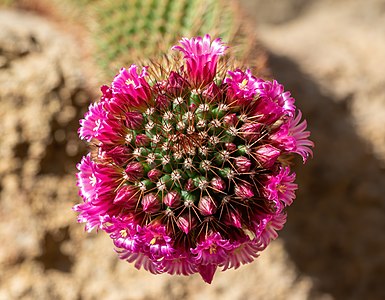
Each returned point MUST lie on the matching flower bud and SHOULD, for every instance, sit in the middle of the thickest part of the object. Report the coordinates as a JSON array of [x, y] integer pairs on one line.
[[172, 199], [212, 92], [251, 131], [176, 84], [142, 140], [207, 206], [230, 147], [231, 119], [154, 175], [242, 164], [189, 185], [244, 191], [186, 222], [150, 203], [162, 101], [192, 107], [218, 183], [119, 155], [233, 218], [134, 171], [134, 120], [127, 196], [266, 155]]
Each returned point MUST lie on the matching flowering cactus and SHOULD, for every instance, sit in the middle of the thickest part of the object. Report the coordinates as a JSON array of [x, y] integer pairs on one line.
[[189, 170]]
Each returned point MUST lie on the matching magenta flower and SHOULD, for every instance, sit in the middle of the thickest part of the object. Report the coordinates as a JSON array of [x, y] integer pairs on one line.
[[189, 166], [130, 90], [201, 57], [293, 137], [281, 187], [242, 87]]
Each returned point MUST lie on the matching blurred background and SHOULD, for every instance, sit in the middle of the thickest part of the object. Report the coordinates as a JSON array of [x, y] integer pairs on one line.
[[329, 53]]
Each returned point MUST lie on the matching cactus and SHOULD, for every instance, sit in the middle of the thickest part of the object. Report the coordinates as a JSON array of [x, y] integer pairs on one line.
[[189, 167], [126, 31]]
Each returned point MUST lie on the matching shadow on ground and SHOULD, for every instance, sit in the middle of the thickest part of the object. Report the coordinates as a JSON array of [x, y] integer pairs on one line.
[[335, 228]]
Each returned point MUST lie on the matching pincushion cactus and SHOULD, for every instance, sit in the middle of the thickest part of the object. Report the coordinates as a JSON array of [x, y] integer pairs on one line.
[[190, 169]]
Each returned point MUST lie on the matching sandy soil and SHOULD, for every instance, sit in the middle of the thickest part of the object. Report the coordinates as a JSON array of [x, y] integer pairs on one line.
[[328, 53]]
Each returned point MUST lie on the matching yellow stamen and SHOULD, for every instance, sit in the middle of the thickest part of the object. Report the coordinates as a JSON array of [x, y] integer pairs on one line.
[[129, 82], [243, 84], [123, 233]]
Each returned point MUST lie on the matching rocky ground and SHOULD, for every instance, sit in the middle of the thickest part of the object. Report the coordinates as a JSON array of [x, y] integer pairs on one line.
[[328, 53]]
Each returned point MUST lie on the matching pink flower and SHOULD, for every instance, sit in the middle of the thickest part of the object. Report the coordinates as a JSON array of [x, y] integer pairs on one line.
[[124, 232], [179, 264], [209, 253], [156, 241], [97, 198], [130, 90], [293, 137], [201, 57], [90, 125], [242, 87], [281, 187], [86, 178], [267, 225], [298, 131], [112, 131], [273, 91], [243, 253]]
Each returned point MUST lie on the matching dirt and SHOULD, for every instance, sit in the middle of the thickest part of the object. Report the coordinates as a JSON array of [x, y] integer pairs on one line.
[[328, 53]]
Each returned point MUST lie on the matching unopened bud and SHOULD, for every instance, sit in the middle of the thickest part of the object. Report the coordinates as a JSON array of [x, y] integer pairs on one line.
[[218, 183], [134, 171], [244, 191], [231, 119], [154, 175], [207, 206], [242, 164], [189, 185], [150, 203], [230, 147], [127, 196], [233, 218], [142, 140], [186, 222], [134, 120], [266, 155], [251, 131], [172, 199]]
